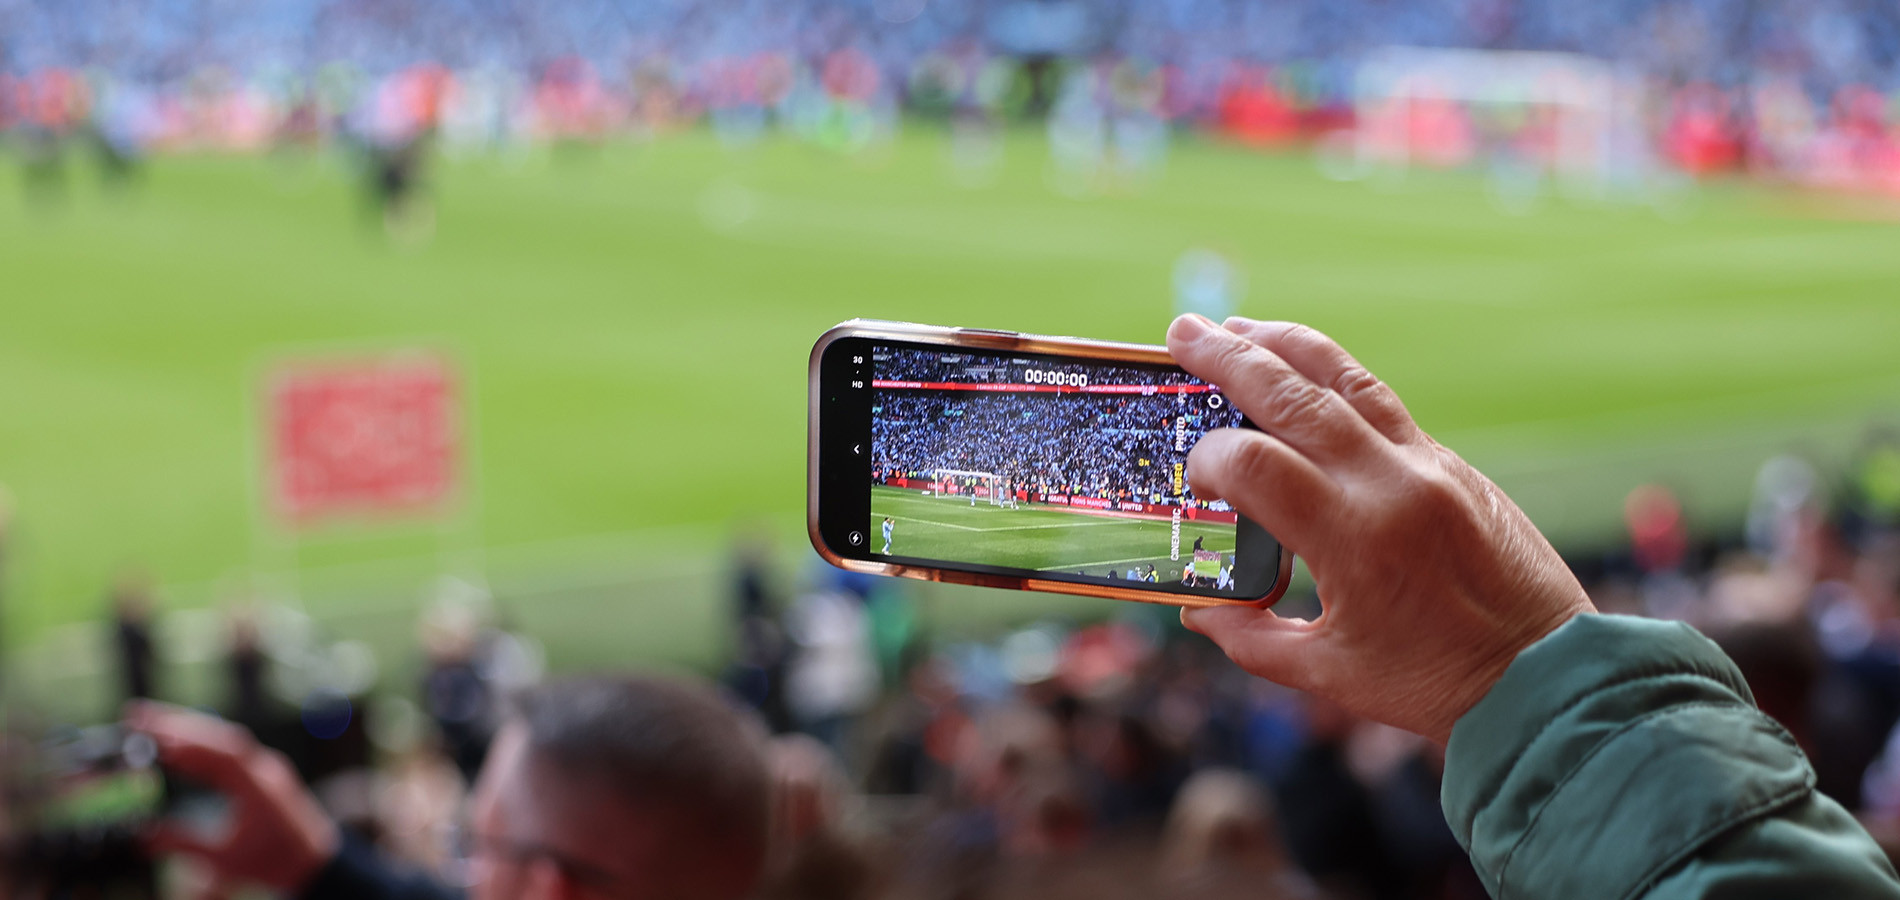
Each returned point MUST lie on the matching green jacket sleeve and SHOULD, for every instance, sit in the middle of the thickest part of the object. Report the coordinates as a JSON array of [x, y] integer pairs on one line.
[[1623, 757]]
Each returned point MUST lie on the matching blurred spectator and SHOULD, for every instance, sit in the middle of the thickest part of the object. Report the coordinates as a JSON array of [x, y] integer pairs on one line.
[[1783, 504], [1426, 853], [133, 650], [616, 786], [1223, 840], [1332, 825], [1874, 486], [760, 654], [832, 676], [813, 854], [249, 701], [6, 533], [455, 693]]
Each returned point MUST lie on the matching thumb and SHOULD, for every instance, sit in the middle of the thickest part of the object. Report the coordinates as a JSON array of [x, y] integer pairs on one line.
[[1281, 650]]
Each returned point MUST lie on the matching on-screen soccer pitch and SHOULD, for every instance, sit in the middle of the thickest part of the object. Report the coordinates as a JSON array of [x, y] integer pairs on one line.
[[1030, 536]]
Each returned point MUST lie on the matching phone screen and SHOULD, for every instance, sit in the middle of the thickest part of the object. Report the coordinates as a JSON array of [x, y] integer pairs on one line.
[[1058, 467]]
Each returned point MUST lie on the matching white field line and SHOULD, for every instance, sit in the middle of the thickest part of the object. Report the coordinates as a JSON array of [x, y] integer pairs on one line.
[[1056, 525], [1011, 527], [1065, 567], [1003, 527], [931, 522]]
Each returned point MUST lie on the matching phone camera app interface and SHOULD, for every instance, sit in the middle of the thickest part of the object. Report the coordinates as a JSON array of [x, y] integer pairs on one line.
[[1047, 465]]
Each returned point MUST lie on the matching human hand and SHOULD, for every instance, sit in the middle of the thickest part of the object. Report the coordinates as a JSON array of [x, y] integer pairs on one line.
[[1431, 579], [277, 835]]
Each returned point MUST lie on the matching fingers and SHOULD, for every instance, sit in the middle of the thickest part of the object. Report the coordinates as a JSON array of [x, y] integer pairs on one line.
[[198, 746], [1267, 481], [1280, 400], [1281, 650], [1328, 365]]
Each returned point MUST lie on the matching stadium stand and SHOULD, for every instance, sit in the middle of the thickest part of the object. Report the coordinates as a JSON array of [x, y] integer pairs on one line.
[[1788, 89], [1069, 444]]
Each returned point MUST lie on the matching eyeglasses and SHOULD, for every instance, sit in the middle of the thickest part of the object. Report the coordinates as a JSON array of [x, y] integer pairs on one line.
[[467, 845]]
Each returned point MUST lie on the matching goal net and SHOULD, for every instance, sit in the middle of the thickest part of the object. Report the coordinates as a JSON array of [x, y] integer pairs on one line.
[[988, 486]]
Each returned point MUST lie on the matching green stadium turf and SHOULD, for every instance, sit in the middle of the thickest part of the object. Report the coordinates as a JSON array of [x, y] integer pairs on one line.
[[636, 319], [1033, 536]]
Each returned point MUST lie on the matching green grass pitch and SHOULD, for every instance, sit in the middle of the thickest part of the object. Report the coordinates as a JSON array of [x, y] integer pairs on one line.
[[1033, 536], [636, 319]]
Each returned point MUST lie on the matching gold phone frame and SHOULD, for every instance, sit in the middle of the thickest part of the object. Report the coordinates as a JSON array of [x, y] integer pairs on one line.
[[1008, 342]]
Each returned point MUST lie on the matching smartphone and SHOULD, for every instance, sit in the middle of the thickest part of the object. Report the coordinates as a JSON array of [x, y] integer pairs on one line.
[[91, 795], [1026, 462], [107, 776]]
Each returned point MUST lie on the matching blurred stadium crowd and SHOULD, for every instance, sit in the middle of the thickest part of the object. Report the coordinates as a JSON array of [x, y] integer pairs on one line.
[[1116, 758], [1784, 89]]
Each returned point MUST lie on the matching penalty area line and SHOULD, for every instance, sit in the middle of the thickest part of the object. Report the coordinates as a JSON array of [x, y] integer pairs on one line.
[[874, 515], [1055, 525], [1001, 528]]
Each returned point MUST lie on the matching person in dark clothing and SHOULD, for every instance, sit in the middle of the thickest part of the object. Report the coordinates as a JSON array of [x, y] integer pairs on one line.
[[132, 639], [458, 700], [1332, 826], [6, 523], [248, 702], [761, 652], [625, 787]]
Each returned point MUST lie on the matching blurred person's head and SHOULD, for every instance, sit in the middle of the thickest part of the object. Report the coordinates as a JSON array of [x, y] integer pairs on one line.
[[1780, 660], [132, 599], [244, 633], [1222, 839], [1007, 745], [808, 788], [1745, 589], [1876, 575], [627, 787], [1222, 816], [1048, 815], [810, 854], [1658, 532], [448, 631]]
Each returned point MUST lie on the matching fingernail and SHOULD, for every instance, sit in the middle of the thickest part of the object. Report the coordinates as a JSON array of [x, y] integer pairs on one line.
[[1187, 619], [1192, 326]]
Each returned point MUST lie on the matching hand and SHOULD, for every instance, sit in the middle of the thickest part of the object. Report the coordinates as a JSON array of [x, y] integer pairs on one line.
[[277, 835], [1430, 578]]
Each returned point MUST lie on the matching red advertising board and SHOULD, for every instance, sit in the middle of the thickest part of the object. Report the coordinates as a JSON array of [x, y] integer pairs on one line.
[[362, 436]]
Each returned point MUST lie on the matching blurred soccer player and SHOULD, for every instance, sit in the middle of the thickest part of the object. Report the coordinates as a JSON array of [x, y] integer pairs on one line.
[[888, 526], [608, 787]]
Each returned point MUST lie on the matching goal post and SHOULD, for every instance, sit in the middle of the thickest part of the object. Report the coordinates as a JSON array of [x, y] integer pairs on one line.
[[957, 482]]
